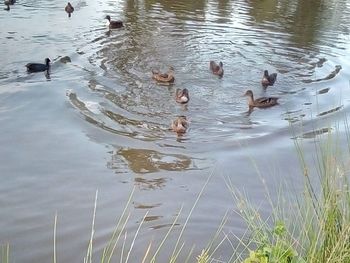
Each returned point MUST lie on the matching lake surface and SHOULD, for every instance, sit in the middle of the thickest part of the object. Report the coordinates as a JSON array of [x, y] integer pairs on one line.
[[101, 123]]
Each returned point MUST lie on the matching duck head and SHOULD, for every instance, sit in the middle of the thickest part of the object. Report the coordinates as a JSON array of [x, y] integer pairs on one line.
[[217, 69], [47, 61], [182, 96], [250, 96], [248, 93], [108, 17], [179, 125]]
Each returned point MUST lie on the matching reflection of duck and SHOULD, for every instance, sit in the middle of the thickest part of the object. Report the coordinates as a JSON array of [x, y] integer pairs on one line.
[[113, 23], [217, 69], [182, 96], [179, 125], [263, 102], [37, 67], [268, 80], [69, 9], [164, 78]]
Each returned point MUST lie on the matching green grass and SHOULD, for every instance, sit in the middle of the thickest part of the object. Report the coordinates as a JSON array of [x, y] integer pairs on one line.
[[4, 253], [311, 227]]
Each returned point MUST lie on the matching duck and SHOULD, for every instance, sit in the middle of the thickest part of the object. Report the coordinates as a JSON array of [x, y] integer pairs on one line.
[[9, 2], [38, 67], [113, 23], [180, 125], [268, 80], [164, 78], [263, 102], [217, 69], [69, 9], [182, 96]]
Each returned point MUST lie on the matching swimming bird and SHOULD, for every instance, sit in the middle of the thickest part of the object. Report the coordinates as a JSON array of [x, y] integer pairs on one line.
[[113, 23], [182, 96], [217, 69], [268, 80], [37, 67], [180, 125], [69, 9], [164, 78], [9, 2], [263, 102]]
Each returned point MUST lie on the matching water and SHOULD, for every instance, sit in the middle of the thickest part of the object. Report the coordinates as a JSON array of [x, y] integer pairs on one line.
[[100, 122]]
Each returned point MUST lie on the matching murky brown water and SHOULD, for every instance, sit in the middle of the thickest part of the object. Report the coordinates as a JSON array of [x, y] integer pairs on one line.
[[100, 122]]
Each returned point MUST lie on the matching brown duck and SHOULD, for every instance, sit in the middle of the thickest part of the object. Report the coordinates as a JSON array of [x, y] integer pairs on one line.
[[69, 9], [263, 102], [113, 23], [182, 96], [268, 80], [180, 125], [217, 69], [164, 78]]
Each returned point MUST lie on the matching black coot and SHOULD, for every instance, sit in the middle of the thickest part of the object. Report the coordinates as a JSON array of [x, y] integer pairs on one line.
[[38, 67]]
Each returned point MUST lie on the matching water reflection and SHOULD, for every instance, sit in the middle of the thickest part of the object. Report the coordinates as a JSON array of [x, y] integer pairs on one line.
[[303, 20], [144, 161], [179, 8], [150, 184]]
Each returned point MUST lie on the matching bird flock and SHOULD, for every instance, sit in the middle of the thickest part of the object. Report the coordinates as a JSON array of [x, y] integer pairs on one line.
[[180, 124]]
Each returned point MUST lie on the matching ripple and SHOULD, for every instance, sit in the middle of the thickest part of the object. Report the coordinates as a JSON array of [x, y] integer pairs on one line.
[[314, 133], [330, 111]]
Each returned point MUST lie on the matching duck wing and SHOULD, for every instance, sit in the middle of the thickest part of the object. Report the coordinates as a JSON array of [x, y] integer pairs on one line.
[[266, 102], [116, 24], [36, 67]]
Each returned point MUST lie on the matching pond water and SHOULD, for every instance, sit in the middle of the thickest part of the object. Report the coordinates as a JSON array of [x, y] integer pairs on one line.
[[101, 123]]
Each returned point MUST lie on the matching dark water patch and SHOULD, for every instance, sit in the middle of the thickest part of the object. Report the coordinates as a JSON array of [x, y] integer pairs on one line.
[[314, 133], [150, 161], [144, 206], [152, 218], [330, 111], [323, 91], [331, 75], [294, 116], [164, 226]]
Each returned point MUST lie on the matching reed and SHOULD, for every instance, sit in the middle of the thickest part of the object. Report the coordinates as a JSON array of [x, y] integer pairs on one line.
[[313, 226], [5, 253]]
